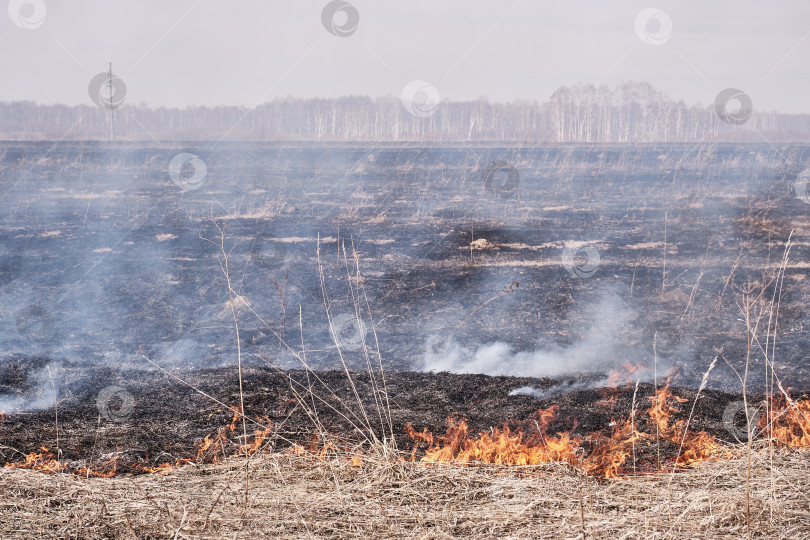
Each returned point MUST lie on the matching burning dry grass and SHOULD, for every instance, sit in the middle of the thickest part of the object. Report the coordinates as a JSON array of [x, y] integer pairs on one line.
[[491, 484], [294, 496], [610, 454]]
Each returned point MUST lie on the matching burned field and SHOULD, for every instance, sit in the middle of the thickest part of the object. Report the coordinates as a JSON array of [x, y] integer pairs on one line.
[[599, 307], [168, 419], [103, 256]]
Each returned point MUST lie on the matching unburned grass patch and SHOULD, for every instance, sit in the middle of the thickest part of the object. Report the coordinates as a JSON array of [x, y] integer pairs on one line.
[[296, 497]]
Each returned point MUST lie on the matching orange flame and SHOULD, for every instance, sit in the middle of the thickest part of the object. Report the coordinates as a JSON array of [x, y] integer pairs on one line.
[[259, 436], [608, 455], [237, 415], [502, 445], [617, 377], [45, 461], [604, 455], [787, 421]]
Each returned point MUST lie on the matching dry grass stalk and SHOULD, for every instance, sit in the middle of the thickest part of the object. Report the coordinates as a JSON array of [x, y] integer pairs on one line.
[[294, 497]]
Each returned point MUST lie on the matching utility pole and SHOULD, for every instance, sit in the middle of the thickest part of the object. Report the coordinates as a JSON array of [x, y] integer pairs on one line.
[[110, 88]]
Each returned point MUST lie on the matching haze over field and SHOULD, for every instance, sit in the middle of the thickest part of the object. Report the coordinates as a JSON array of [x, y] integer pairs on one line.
[[591, 151], [556, 72]]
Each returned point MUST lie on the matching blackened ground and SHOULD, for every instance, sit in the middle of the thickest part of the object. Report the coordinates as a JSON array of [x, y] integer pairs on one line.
[[101, 254], [168, 416]]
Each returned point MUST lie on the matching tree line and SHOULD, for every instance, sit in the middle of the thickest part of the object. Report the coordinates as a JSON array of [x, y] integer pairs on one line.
[[583, 113]]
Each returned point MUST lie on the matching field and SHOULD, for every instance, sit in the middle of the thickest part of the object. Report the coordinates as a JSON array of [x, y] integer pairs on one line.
[[347, 340]]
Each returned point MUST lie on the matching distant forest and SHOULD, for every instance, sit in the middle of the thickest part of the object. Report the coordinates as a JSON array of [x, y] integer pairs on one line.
[[629, 112]]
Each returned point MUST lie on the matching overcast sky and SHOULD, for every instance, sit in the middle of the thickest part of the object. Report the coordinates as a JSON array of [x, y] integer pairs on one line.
[[189, 52]]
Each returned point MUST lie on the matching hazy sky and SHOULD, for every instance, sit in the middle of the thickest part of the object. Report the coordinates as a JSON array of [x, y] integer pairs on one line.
[[188, 52]]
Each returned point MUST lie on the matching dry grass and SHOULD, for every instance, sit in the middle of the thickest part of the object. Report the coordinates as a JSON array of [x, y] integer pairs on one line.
[[300, 497]]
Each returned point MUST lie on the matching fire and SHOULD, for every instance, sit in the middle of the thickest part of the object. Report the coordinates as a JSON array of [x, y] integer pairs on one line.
[[608, 456], [210, 449], [321, 451], [787, 422], [45, 461], [601, 454], [259, 436], [626, 376], [41, 461], [163, 468], [215, 449], [502, 445], [695, 446], [237, 415], [619, 377], [314, 449]]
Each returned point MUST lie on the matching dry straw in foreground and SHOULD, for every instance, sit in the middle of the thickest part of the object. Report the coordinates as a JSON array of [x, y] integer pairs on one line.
[[301, 497]]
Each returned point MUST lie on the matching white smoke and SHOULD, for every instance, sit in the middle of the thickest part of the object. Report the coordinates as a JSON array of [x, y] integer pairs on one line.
[[41, 396], [603, 347], [558, 389], [595, 351]]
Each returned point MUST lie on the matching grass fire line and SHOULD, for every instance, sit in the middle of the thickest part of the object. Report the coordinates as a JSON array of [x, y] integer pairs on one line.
[[625, 450]]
